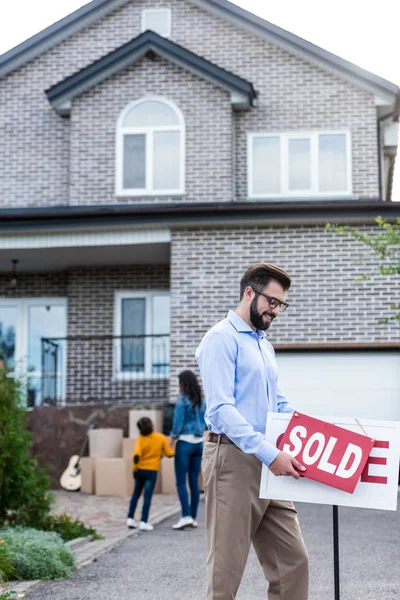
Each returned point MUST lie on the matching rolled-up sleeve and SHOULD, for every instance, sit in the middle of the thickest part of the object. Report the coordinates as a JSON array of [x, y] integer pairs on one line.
[[216, 357]]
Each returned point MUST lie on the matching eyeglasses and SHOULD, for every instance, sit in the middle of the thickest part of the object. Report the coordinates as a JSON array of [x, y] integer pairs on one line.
[[273, 302]]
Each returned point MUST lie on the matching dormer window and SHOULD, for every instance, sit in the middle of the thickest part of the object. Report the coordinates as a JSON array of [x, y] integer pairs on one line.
[[150, 148], [158, 20]]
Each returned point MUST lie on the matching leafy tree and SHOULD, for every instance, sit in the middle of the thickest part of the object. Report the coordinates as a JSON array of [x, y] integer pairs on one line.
[[385, 244], [24, 495]]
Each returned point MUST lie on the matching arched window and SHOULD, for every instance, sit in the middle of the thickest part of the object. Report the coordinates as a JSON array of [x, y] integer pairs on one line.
[[150, 148]]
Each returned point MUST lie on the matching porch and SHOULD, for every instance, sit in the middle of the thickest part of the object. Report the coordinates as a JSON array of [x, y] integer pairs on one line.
[[102, 369], [85, 316]]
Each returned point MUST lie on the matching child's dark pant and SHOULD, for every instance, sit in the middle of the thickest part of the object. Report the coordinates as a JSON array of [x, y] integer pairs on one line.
[[144, 480]]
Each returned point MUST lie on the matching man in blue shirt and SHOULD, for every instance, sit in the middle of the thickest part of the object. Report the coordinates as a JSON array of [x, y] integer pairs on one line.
[[240, 381]]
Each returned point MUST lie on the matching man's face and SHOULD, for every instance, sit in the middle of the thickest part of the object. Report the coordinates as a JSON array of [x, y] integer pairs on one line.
[[261, 314]]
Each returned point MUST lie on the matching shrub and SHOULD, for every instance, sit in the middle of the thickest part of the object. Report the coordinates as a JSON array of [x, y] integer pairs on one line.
[[24, 495], [7, 595], [70, 529], [37, 554], [6, 569]]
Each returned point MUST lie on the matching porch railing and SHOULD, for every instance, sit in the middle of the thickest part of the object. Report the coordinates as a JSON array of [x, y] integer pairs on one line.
[[104, 368]]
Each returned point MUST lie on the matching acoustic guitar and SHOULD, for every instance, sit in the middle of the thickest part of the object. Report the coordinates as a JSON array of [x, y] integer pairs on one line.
[[71, 479]]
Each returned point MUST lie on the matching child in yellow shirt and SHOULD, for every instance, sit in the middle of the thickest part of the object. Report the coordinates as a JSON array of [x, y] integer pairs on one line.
[[149, 449]]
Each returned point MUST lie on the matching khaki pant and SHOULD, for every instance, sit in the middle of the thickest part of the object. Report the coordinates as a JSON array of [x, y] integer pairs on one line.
[[237, 517]]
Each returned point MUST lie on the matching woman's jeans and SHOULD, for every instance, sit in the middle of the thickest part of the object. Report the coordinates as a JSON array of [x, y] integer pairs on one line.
[[144, 479], [188, 463]]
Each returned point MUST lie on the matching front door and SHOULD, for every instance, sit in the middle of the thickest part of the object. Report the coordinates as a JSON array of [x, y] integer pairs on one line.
[[23, 324]]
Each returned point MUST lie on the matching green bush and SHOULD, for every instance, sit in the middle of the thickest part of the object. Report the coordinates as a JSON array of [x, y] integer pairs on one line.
[[37, 554], [70, 529], [7, 595], [24, 495], [6, 568]]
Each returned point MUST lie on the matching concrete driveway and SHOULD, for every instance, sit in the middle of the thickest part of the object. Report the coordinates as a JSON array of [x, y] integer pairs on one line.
[[170, 565]]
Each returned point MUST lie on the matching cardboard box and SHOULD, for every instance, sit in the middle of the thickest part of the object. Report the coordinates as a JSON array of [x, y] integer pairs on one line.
[[128, 445], [168, 481], [156, 415], [105, 443], [168, 485], [87, 466], [158, 488], [113, 477]]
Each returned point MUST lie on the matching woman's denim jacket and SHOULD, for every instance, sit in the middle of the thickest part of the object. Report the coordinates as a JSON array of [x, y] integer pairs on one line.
[[188, 420]]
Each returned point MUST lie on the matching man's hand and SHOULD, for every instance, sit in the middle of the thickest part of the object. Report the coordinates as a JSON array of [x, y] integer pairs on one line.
[[285, 464]]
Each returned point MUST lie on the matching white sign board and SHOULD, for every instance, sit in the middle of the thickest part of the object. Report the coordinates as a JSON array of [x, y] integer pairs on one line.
[[378, 488]]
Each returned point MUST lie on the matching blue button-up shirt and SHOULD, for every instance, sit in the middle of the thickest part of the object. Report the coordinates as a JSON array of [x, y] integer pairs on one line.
[[240, 381]]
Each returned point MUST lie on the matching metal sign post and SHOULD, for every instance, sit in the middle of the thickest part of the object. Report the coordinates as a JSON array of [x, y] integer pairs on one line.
[[336, 568]]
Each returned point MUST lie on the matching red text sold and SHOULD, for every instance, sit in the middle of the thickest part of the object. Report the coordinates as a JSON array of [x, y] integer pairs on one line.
[[332, 455]]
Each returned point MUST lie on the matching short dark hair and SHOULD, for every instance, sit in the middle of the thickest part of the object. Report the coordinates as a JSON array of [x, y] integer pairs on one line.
[[260, 274], [145, 426]]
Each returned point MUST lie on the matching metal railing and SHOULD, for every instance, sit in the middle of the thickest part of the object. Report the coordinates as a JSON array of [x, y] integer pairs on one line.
[[104, 368]]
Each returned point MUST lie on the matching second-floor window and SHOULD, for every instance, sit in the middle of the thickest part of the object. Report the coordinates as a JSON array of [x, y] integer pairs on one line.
[[150, 149], [316, 163]]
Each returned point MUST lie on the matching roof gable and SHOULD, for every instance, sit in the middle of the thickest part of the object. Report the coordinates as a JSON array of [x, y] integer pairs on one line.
[[61, 95], [97, 9]]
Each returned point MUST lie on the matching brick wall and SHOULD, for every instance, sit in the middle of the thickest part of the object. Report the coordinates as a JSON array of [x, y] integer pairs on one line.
[[33, 285], [91, 294], [207, 148], [35, 151], [326, 304]]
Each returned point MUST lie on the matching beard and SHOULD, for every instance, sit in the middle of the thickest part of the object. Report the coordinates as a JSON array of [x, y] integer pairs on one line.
[[258, 319]]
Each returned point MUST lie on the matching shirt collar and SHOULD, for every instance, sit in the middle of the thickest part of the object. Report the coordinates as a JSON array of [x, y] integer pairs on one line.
[[241, 325]]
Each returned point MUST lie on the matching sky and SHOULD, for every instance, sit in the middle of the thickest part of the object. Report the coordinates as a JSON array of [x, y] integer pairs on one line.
[[361, 31]]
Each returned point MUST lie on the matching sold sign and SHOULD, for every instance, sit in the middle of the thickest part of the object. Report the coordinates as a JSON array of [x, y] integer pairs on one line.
[[331, 454]]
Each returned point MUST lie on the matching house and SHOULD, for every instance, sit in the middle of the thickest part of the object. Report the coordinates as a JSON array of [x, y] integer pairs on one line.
[[150, 151]]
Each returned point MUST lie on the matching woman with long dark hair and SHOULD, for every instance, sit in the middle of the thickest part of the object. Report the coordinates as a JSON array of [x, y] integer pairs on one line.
[[188, 428]]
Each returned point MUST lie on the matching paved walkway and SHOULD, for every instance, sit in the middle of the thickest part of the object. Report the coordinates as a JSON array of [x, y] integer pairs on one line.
[[108, 515]]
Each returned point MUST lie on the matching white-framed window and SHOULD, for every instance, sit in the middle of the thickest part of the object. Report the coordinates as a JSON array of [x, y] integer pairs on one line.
[[302, 163], [23, 324], [158, 20], [150, 153], [142, 327]]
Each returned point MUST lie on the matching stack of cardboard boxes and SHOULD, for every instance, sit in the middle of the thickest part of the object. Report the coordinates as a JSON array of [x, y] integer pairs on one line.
[[107, 471]]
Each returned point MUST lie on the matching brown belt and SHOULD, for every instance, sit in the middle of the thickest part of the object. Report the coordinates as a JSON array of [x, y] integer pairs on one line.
[[219, 438]]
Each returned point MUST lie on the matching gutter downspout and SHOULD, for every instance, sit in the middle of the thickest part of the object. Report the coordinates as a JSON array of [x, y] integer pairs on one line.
[[394, 115]]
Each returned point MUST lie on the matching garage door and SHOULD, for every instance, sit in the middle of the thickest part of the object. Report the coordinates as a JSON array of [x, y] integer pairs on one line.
[[361, 384]]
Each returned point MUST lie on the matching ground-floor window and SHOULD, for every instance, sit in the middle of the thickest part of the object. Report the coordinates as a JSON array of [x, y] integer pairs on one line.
[[142, 327], [24, 323]]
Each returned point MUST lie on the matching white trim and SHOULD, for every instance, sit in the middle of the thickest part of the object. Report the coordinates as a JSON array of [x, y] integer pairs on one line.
[[149, 137], [84, 239], [148, 295], [157, 10], [284, 153], [22, 306]]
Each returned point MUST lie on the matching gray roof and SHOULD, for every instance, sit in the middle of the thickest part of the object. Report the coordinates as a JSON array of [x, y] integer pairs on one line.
[[61, 95], [96, 9], [281, 212]]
